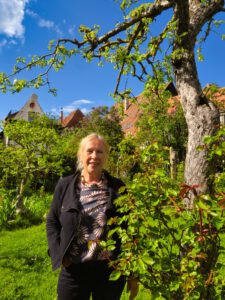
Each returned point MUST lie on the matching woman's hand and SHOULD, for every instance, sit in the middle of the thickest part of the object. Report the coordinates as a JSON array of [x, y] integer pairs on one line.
[[132, 287], [66, 262]]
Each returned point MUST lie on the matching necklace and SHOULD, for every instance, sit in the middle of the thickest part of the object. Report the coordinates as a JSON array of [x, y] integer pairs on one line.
[[96, 184]]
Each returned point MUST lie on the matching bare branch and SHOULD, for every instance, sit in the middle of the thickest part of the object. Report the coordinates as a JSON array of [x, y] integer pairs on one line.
[[129, 47], [111, 44], [134, 73], [207, 31]]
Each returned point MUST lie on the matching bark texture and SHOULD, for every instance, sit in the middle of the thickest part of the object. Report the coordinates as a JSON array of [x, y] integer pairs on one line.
[[202, 116]]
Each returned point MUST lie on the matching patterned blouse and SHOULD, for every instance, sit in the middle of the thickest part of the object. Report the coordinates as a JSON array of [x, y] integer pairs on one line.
[[93, 228]]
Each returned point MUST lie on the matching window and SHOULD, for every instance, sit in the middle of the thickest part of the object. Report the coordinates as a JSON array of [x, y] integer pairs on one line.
[[31, 116], [222, 118]]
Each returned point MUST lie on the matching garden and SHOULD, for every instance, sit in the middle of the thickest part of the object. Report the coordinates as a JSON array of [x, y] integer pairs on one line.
[[171, 224], [176, 252]]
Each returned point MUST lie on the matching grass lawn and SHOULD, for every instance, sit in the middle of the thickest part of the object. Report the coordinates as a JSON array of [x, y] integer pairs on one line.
[[25, 270]]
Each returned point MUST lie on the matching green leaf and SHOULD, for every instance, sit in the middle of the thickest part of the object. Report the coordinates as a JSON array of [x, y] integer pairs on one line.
[[115, 275], [148, 260], [141, 265], [200, 204]]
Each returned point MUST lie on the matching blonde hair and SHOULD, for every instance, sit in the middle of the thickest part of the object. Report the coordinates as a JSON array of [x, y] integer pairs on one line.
[[83, 143]]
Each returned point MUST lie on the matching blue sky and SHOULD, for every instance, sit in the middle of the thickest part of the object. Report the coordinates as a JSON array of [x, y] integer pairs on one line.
[[26, 26]]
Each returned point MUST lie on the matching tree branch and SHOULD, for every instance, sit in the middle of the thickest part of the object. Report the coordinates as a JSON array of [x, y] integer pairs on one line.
[[154, 10], [201, 14], [129, 47]]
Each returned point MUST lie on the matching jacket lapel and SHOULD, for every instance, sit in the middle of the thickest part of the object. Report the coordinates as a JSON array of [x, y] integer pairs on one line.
[[70, 199]]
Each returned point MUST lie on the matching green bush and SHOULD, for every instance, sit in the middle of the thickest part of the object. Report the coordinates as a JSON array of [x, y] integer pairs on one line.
[[34, 212], [38, 204], [175, 252], [7, 206]]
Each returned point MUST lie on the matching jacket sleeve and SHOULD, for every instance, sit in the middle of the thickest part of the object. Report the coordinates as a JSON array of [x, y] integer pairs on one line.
[[53, 225]]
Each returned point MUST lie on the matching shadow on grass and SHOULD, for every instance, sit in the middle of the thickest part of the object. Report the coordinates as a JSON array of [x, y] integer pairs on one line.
[[17, 263], [23, 220]]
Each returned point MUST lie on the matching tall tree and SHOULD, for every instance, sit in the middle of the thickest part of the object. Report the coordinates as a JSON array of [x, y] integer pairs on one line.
[[35, 151], [132, 48]]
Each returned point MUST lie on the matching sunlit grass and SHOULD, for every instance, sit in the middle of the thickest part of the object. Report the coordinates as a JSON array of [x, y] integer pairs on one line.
[[25, 269]]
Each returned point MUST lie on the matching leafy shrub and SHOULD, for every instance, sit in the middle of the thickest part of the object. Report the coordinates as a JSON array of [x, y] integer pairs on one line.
[[38, 204], [35, 209], [175, 252], [216, 146], [7, 206]]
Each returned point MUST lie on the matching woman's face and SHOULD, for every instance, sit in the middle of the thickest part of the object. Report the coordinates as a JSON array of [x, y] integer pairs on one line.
[[93, 156]]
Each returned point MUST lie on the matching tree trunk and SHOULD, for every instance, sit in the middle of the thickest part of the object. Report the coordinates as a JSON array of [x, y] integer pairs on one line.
[[20, 209], [198, 168], [201, 115], [173, 163], [202, 118]]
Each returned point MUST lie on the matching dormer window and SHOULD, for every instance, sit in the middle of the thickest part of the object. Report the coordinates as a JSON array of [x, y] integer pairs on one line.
[[31, 116]]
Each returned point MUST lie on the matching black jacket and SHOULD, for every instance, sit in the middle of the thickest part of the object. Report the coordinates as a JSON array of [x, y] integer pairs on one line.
[[64, 216]]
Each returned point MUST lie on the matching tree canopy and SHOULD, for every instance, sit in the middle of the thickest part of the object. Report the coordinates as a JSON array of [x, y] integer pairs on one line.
[[35, 151], [133, 48]]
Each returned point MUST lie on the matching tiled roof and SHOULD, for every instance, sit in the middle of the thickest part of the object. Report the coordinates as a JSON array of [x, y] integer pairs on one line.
[[133, 111], [72, 119], [219, 98], [11, 115], [131, 116]]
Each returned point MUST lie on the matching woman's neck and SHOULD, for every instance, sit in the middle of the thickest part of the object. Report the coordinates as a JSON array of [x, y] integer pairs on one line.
[[91, 178]]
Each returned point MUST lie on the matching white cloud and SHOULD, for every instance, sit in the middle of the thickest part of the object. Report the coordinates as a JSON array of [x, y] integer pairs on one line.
[[12, 15], [68, 109], [46, 23], [31, 13], [12, 42], [6, 43], [85, 110], [73, 106], [55, 111], [43, 23], [71, 30], [82, 101]]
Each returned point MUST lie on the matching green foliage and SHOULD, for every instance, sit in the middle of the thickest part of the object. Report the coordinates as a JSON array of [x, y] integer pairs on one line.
[[131, 46], [126, 3], [7, 206], [216, 145], [128, 162], [34, 147], [34, 156], [175, 252], [162, 118], [38, 204], [36, 207]]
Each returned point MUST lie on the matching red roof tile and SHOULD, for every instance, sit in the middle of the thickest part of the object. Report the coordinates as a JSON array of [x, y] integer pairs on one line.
[[73, 119], [131, 115]]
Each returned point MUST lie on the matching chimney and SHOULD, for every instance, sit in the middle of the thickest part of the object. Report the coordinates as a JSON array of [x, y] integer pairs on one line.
[[61, 116], [126, 104]]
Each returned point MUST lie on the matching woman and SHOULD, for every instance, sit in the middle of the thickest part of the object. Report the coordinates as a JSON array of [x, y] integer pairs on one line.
[[77, 222]]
